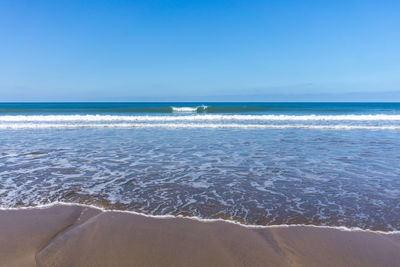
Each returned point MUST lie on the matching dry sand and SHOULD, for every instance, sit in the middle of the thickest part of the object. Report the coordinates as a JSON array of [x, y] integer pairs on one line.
[[81, 236]]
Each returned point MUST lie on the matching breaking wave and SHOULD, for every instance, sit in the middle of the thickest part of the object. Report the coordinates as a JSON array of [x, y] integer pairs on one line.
[[99, 118], [189, 109], [196, 126]]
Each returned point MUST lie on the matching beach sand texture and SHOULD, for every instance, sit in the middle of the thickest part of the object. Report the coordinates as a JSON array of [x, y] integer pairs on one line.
[[82, 236]]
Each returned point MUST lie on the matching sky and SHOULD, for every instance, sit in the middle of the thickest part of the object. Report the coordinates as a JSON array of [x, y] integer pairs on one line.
[[199, 50]]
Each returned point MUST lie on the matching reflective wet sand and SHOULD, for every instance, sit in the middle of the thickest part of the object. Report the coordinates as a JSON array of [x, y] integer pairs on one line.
[[81, 236]]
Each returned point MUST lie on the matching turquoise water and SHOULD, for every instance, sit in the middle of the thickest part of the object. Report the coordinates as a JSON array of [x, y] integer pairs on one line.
[[333, 164], [235, 108]]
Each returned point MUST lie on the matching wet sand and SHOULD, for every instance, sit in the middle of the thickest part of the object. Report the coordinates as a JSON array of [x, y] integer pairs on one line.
[[81, 236]]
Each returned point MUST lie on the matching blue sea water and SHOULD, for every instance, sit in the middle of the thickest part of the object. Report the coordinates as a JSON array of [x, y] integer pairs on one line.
[[331, 164], [222, 107]]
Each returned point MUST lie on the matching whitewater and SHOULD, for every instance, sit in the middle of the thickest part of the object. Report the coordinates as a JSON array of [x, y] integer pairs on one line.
[[253, 164]]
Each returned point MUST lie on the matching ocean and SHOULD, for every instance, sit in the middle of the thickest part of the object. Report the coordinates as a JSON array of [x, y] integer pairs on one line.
[[257, 164]]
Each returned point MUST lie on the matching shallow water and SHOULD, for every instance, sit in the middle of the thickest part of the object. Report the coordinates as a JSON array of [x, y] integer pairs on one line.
[[324, 168]]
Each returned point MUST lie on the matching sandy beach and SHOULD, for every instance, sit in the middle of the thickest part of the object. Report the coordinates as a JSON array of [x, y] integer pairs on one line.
[[83, 236]]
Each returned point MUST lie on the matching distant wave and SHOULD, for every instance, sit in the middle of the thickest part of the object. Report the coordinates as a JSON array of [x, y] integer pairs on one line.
[[195, 125], [198, 107], [338, 122], [199, 117], [189, 109]]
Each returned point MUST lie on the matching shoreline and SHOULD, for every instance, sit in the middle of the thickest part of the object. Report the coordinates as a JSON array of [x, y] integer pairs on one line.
[[70, 235], [204, 220]]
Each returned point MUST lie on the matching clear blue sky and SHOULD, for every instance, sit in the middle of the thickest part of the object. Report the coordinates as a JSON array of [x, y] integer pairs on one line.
[[205, 50]]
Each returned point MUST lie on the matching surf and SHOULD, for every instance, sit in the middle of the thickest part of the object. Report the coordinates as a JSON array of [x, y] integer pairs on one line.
[[201, 108], [194, 126], [197, 117]]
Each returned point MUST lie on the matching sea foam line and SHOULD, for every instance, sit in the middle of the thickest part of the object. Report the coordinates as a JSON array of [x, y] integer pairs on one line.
[[196, 218], [166, 118], [194, 126]]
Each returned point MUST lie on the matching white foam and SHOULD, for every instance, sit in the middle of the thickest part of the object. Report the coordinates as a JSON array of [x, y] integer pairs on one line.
[[188, 109], [184, 109], [196, 218], [194, 126], [198, 117]]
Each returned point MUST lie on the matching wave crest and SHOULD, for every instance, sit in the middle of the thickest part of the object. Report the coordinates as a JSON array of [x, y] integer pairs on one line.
[[189, 109], [195, 126], [199, 117]]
